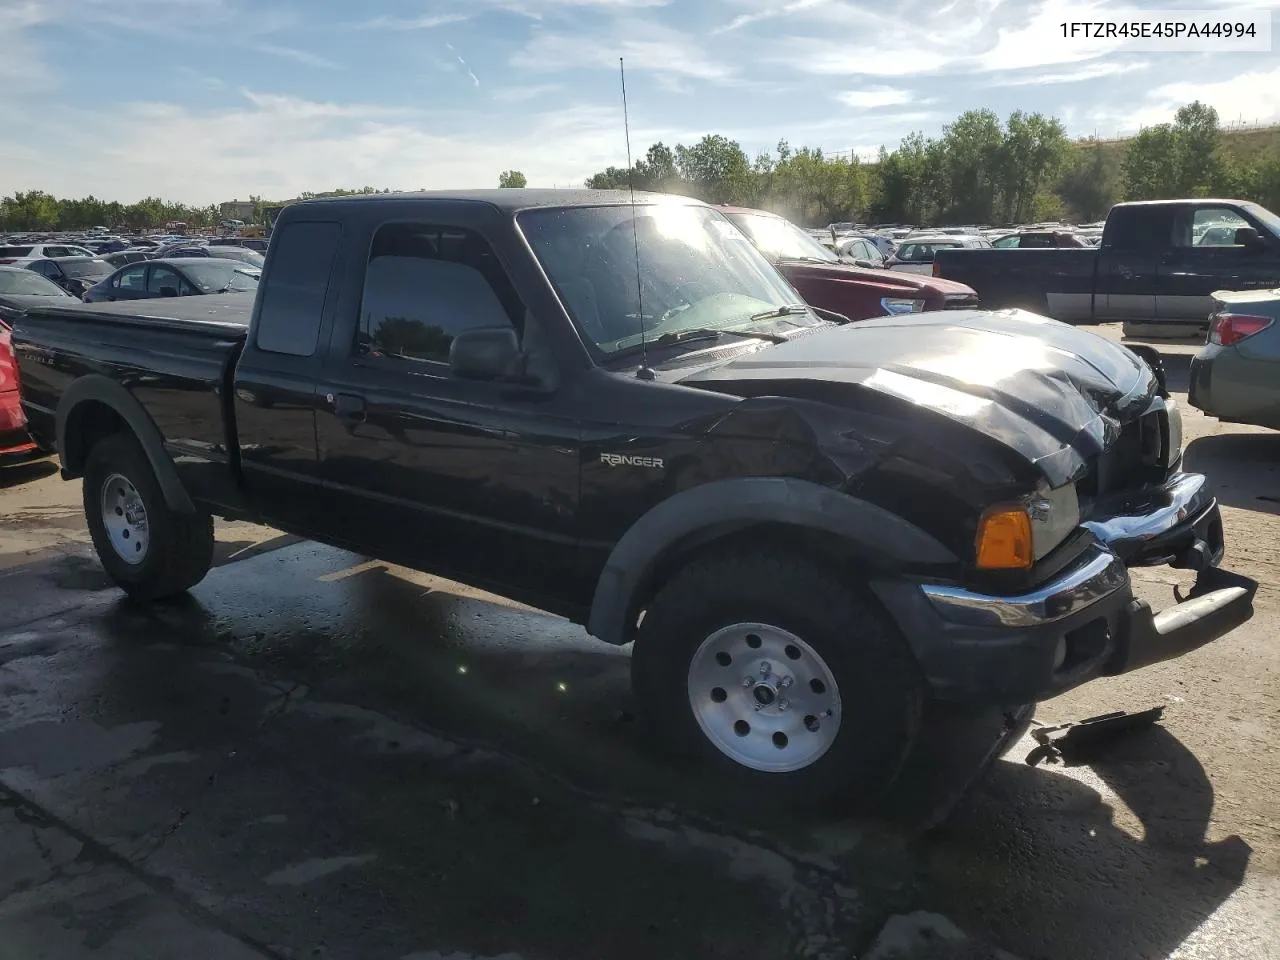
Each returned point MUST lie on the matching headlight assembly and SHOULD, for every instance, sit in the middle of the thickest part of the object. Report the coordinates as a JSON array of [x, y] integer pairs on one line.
[[896, 305]]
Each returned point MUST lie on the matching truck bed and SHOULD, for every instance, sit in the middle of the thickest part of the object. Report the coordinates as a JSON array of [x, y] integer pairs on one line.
[[224, 315], [174, 356], [1057, 282]]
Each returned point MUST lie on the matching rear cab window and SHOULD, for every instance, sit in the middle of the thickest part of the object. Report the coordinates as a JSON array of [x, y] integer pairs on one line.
[[296, 287], [1139, 229]]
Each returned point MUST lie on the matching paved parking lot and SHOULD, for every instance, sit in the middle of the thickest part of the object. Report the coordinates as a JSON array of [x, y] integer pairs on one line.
[[321, 756]]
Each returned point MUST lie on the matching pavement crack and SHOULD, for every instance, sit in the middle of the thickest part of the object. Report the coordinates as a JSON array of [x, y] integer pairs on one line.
[[163, 837], [100, 852], [289, 696], [46, 852]]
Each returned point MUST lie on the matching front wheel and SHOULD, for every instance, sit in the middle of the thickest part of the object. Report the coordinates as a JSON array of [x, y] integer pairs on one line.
[[781, 673], [148, 549]]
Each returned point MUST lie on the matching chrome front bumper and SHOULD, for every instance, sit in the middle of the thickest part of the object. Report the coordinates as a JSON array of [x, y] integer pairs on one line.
[[1085, 622], [1156, 526]]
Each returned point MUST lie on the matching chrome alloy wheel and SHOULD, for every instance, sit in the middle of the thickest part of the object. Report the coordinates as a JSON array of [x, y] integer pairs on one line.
[[764, 697], [125, 518]]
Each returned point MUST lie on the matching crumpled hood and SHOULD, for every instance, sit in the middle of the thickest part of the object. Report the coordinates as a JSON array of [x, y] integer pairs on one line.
[[905, 284], [1054, 394]]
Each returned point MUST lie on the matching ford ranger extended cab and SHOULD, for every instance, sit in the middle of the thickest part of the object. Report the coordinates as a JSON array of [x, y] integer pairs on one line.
[[624, 414], [1156, 268]]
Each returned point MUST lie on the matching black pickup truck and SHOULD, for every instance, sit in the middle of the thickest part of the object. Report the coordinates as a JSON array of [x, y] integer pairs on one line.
[[1156, 268], [807, 528]]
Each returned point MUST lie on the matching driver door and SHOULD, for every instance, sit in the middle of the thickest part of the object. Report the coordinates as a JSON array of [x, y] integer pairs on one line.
[[468, 478]]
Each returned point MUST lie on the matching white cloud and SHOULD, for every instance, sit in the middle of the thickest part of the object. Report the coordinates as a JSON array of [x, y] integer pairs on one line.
[[769, 13], [425, 22], [1247, 97], [645, 45], [1090, 71], [277, 146], [873, 97], [300, 56], [525, 93]]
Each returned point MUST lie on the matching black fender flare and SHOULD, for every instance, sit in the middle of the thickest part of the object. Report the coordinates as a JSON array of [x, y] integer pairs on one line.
[[100, 389], [802, 503]]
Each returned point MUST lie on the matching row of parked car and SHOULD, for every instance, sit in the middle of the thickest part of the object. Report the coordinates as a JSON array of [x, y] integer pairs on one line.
[[181, 267]]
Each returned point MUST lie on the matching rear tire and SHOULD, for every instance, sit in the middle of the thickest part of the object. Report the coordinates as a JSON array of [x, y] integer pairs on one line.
[[782, 675], [149, 550]]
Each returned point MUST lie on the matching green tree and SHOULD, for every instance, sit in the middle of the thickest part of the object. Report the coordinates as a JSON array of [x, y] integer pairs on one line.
[[971, 153], [1197, 160], [512, 178], [1089, 183], [611, 178], [1149, 169], [715, 169], [657, 171], [1031, 156]]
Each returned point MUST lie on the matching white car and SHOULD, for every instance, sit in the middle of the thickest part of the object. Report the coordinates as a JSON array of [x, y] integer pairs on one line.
[[22, 254]]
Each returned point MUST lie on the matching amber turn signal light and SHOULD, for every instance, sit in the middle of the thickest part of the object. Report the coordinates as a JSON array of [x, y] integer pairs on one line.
[[1004, 539]]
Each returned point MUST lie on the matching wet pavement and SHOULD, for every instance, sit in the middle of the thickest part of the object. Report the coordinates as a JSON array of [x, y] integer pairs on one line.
[[316, 755]]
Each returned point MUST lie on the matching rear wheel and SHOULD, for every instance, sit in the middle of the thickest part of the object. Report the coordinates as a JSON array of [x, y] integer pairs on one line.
[[149, 550], [782, 675]]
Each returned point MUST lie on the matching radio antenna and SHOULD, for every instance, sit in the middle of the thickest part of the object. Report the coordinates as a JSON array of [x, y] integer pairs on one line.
[[645, 372]]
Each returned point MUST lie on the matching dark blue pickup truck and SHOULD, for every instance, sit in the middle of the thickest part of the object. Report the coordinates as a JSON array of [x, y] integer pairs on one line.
[[1156, 269]]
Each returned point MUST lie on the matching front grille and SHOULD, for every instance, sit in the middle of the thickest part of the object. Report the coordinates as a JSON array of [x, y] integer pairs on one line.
[[961, 302], [1136, 457]]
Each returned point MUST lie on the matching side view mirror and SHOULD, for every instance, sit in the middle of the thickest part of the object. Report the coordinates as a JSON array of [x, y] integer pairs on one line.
[[863, 263], [485, 353], [168, 291], [1248, 237]]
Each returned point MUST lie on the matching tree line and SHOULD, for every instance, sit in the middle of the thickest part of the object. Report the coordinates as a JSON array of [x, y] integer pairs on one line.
[[37, 211], [980, 170]]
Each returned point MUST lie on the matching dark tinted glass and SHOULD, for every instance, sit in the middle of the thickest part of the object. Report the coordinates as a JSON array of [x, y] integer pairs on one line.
[[1139, 229], [425, 284], [295, 288]]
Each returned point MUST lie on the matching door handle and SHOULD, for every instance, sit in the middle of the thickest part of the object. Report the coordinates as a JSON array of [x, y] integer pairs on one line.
[[347, 406]]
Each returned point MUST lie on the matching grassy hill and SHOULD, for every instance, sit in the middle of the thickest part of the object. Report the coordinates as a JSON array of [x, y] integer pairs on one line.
[[1246, 145]]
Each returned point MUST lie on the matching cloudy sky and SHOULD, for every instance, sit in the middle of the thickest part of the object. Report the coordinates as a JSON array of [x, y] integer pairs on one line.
[[209, 100]]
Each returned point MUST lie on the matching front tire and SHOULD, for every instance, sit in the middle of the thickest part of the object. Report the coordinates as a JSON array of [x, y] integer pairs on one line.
[[782, 674], [149, 550]]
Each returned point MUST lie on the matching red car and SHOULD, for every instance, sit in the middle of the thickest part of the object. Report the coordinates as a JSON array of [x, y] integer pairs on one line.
[[15, 445], [829, 283], [19, 290]]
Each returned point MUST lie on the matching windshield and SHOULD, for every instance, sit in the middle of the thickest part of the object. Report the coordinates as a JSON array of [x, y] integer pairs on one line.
[[696, 270], [80, 269], [239, 253], [781, 239], [923, 252], [26, 283], [222, 277], [1266, 217]]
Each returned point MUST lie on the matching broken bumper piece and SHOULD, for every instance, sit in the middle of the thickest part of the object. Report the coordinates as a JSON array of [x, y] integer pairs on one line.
[[1085, 623]]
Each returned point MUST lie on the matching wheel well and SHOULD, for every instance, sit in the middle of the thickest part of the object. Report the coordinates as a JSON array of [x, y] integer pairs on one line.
[[812, 543], [87, 423]]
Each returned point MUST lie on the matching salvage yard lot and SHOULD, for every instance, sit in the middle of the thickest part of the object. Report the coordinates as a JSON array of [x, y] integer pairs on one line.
[[322, 756]]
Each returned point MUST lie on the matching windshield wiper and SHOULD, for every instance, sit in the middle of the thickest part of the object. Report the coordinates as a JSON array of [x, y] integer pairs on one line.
[[714, 333], [806, 260], [785, 310]]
